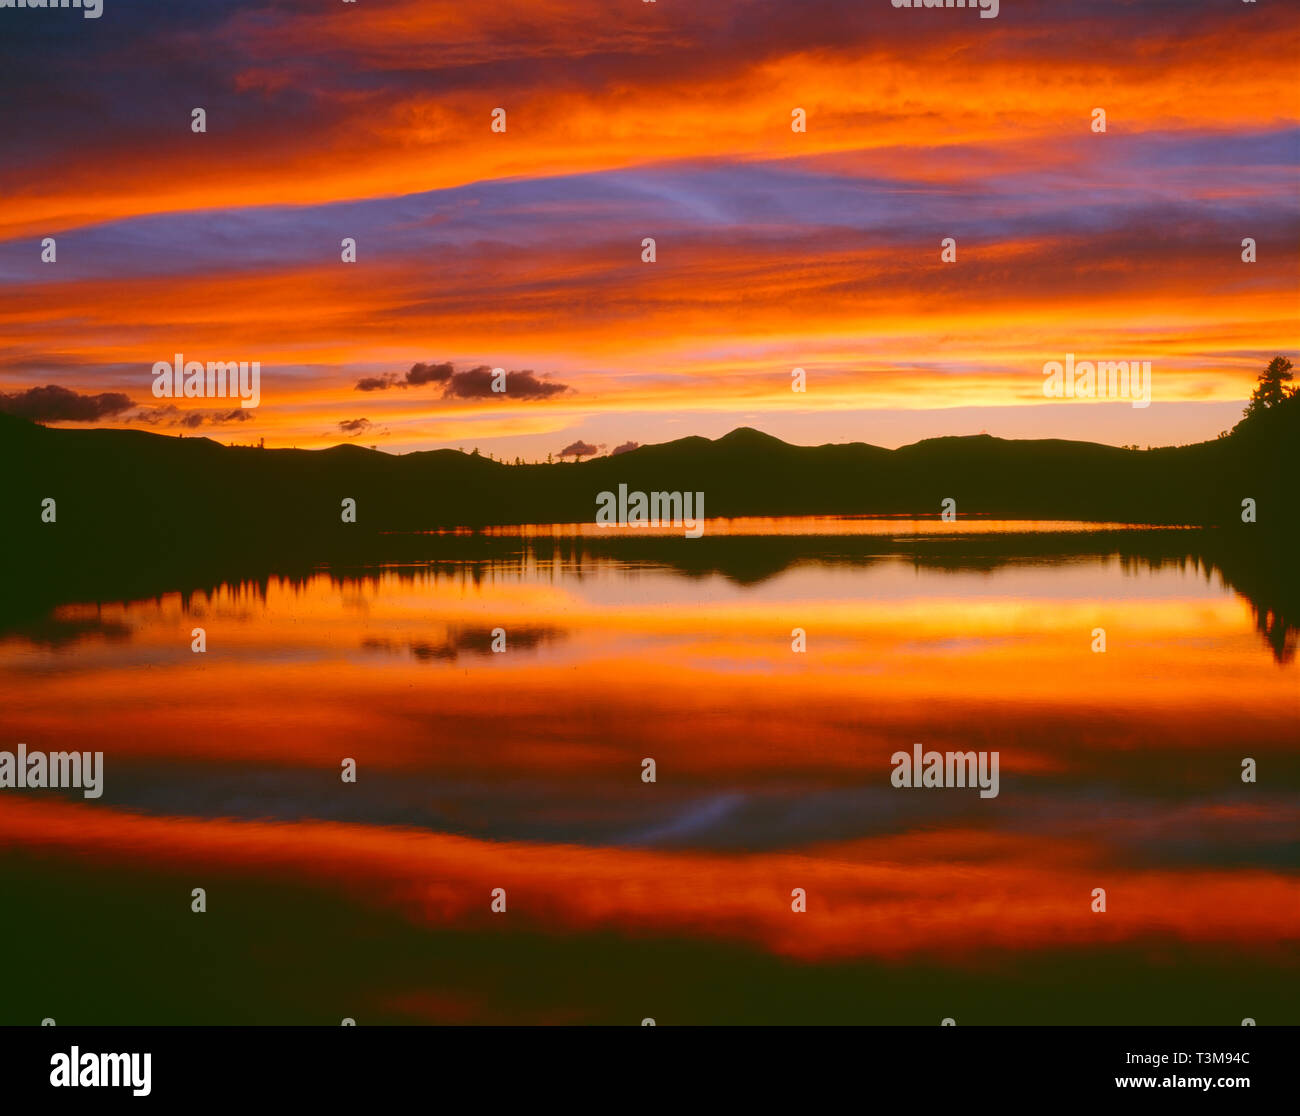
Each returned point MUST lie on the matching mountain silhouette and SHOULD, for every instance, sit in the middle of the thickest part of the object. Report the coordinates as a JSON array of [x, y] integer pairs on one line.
[[129, 488], [138, 514]]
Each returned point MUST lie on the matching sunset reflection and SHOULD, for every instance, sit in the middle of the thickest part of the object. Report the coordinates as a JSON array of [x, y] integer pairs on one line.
[[522, 770]]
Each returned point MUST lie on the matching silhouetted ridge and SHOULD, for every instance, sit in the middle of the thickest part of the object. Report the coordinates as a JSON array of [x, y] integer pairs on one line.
[[133, 491]]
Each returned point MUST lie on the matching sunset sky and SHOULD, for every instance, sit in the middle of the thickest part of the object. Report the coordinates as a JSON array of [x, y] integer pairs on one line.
[[627, 120]]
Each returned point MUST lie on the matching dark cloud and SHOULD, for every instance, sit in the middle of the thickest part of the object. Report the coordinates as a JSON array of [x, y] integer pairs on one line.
[[353, 427], [429, 374], [419, 373], [476, 383], [626, 447], [472, 383], [58, 404], [152, 416], [578, 449], [172, 415], [471, 641]]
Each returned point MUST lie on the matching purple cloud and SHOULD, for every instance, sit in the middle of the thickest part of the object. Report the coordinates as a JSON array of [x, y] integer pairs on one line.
[[58, 404]]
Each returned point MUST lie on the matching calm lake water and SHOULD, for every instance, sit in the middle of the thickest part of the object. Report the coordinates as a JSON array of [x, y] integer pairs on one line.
[[523, 770]]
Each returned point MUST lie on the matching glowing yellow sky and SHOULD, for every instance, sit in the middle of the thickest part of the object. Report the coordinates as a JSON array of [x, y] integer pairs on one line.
[[776, 249]]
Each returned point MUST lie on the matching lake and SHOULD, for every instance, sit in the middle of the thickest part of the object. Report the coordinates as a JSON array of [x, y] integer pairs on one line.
[[499, 701]]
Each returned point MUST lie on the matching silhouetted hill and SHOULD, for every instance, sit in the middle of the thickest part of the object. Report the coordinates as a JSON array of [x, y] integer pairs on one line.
[[140, 514], [127, 491]]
